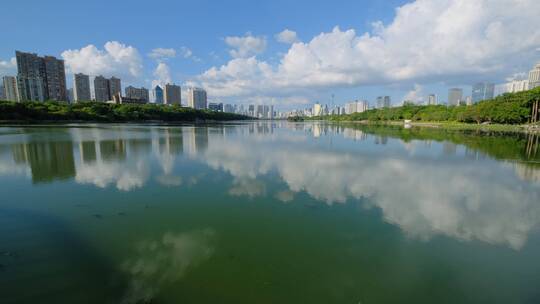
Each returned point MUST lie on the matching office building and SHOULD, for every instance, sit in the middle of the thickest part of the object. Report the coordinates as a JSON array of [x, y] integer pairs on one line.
[[115, 87], [432, 99], [31, 77], [217, 107], [157, 94], [101, 89], [40, 78], [172, 94], [516, 86], [455, 95], [197, 98], [140, 94], [534, 77], [383, 102], [11, 91], [317, 109], [357, 106], [55, 78], [81, 87], [482, 91]]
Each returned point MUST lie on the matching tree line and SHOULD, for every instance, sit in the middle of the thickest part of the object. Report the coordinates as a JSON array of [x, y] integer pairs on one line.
[[509, 108], [105, 112]]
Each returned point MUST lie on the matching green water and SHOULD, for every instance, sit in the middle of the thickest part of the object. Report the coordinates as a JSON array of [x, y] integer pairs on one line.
[[267, 213]]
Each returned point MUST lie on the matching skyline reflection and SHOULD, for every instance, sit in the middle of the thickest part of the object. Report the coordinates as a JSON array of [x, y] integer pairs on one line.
[[463, 187]]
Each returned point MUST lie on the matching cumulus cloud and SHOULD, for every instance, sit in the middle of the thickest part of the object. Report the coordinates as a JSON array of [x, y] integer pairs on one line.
[[287, 36], [427, 41], [8, 67], [115, 59], [415, 95], [187, 53], [245, 46], [162, 53], [162, 74]]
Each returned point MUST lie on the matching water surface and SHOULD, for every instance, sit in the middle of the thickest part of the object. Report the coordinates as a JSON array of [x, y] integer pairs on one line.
[[267, 212]]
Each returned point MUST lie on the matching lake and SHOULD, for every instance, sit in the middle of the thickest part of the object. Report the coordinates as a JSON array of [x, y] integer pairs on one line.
[[268, 212]]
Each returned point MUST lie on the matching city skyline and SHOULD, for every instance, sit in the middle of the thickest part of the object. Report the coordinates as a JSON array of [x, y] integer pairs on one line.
[[247, 62]]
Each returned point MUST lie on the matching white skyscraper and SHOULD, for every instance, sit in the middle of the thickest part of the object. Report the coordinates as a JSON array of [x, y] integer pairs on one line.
[[197, 98], [432, 99], [534, 77], [11, 91]]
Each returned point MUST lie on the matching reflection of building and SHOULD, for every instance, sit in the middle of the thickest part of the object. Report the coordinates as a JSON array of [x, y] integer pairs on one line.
[[48, 161], [88, 151], [195, 140], [449, 148], [172, 142], [113, 149]]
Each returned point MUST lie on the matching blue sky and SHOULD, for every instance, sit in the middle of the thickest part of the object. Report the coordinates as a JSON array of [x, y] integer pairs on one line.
[[197, 31]]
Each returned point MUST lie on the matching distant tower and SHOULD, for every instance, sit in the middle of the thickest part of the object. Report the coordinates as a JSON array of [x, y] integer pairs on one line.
[[455, 95]]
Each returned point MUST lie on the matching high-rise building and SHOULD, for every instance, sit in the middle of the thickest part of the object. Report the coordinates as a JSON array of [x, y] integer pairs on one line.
[[455, 95], [81, 87], [2, 96], [115, 87], [432, 99], [515, 86], [357, 106], [157, 94], [55, 78], [383, 102], [197, 98], [534, 77], [217, 107], [317, 109], [141, 94], [172, 94], [101, 88], [31, 77], [11, 91], [482, 91]]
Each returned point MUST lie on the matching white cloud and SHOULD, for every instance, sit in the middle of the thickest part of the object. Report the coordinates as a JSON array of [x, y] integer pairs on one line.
[[162, 73], [8, 67], [415, 95], [116, 59], [426, 42], [245, 46], [188, 54], [162, 53], [287, 36]]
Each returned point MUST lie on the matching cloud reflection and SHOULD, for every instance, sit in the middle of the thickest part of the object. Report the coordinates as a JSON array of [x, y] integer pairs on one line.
[[158, 263]]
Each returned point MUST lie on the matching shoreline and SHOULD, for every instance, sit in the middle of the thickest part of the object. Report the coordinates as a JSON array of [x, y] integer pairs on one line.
[[528, 128]]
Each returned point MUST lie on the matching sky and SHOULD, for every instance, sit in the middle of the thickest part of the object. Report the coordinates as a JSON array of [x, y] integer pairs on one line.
[[290, 54]]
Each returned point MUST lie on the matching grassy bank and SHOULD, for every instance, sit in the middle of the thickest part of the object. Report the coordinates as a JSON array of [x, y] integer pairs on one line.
[[105, 112]]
